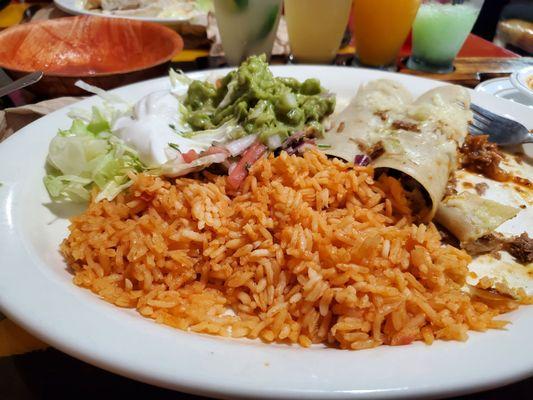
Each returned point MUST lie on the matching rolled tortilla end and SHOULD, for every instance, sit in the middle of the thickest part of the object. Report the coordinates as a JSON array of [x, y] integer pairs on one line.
[[430, 172], [468, 216]]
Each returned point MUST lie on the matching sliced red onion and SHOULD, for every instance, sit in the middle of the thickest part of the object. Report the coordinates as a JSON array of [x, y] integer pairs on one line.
[[307, 145], [293, 139], [238, 146], [362, 160], [301, 146]]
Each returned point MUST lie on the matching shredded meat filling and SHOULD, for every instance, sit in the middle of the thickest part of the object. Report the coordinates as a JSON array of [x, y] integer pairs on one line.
[[382, 115], [481, 188], [491, 243], [520, 247], [447, 237], [479, 155], [523, 182], [451, 187], [375, 150], [406, 126]]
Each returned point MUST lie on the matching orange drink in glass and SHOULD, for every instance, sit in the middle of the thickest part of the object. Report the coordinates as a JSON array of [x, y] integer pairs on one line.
[[381, 28]]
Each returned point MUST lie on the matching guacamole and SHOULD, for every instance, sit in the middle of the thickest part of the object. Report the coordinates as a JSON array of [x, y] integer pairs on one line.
[[259, 102]]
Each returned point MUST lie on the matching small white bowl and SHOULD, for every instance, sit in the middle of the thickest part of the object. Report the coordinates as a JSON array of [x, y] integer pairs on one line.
[[523, 81], [503, 88]]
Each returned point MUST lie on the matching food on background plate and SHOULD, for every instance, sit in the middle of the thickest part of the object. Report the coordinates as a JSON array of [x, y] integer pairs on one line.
[[214, 208], [150, 8]]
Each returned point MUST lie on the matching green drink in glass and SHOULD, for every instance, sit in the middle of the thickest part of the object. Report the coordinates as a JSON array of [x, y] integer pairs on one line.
[[247, 27], [439, 31]]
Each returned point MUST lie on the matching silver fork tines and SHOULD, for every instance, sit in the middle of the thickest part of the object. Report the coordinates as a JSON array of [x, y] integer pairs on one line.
[[501, 130]]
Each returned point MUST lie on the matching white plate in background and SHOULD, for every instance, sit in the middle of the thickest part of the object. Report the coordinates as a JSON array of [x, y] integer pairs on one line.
[[75, 7], [521, 80], [503, 88]]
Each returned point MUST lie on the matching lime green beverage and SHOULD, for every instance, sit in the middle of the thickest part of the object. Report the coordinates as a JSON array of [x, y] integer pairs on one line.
[[247, 27], [439, 32]]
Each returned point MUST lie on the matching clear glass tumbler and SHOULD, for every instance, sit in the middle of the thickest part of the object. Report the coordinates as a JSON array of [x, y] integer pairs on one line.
[[316, 28], [247, 27], [380, 29], [439, 31]]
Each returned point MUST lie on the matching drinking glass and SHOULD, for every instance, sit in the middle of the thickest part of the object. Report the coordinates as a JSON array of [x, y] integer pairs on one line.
[[247, 27], [316, 28], [380, 29], [440, 30]]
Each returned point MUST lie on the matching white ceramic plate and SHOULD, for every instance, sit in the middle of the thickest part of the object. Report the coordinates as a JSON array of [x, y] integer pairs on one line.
[[520, 80], [75, 7], [502, 87], [36, 292]]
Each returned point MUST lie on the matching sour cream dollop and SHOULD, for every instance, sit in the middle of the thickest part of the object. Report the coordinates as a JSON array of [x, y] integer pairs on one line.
[[156, 122]]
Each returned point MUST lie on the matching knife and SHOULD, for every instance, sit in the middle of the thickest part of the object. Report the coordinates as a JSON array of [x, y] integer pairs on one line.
[[27, 80]]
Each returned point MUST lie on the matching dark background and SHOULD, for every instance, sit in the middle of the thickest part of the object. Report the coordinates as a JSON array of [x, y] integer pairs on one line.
[[51, 374], [493, 10]]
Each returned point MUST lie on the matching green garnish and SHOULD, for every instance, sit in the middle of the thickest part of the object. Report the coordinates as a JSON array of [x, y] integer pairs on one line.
[[88, 155], [174, 146], [324, 146]]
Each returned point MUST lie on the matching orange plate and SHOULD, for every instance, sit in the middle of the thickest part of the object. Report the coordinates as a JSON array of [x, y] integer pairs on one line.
[[107, 52]]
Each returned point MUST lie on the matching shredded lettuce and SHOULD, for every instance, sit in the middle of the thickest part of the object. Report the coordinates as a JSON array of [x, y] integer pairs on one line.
[[179, 84], [224, 133], [204, 5], [88, 155], [108, 97]]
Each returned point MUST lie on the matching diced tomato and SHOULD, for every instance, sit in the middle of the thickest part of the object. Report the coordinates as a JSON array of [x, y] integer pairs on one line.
[[147, 196], [190, 156], [249, 157], [215, 150]]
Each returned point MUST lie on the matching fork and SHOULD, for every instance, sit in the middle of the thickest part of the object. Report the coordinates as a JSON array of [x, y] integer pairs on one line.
[[501, 130]]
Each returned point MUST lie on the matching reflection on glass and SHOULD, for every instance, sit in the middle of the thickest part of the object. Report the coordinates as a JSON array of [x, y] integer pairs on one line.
[[440, 30], [247, 27], [316, 28], [380, 29]]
